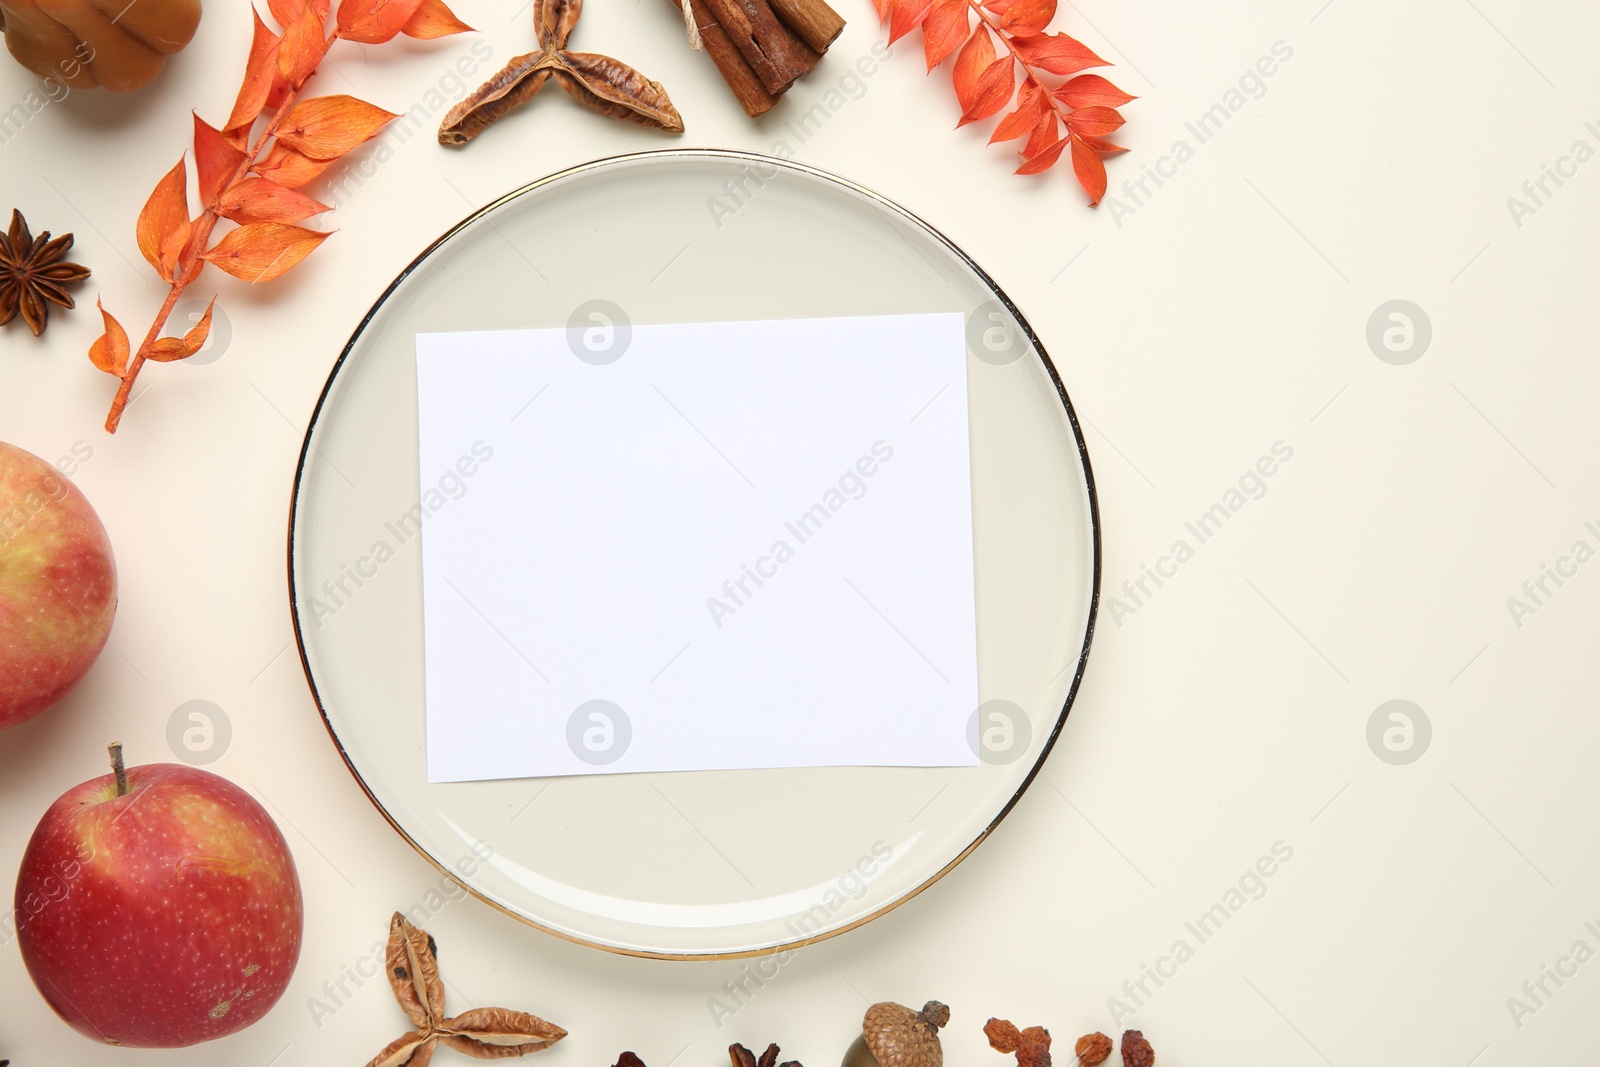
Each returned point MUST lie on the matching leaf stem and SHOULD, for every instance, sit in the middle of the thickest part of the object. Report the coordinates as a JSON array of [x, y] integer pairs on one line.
[[189, 262]]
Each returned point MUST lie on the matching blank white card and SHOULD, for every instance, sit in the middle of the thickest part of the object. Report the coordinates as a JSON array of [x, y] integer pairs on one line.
[[697, 547]]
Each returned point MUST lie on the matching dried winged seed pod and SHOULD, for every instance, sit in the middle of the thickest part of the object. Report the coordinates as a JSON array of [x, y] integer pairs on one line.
[[1093, 1049], [1136, 1051], [893, 1035]]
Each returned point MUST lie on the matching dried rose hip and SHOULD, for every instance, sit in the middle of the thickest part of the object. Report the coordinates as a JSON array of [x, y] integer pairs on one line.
[[1136, 1051], [1032, 1045], [1093, 1048]]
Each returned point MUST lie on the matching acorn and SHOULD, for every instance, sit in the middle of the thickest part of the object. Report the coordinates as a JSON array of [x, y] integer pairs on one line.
[[893, 1035]]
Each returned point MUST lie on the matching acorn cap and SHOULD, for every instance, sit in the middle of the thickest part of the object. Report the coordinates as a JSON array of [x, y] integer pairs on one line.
[[900, 1037]]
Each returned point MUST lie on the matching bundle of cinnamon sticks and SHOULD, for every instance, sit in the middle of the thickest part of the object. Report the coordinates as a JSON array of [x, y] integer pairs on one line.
[[762, 46]]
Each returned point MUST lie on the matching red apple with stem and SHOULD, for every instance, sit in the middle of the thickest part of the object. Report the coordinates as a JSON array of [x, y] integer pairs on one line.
[[158, 907], [58, 585]]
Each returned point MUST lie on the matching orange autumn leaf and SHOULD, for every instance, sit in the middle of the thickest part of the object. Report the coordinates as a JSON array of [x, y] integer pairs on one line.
[[1045, 136], [1099, 144], [302, 49], [329, 126], [374, 21], [947, 27], [1044, 159], [163, 227], [264, 200], [110, 352], [905, 17], [169, 349], [215, 160], [1028, 16], [1090, 170], [1094, 121], [433, 19], [262, 251], [976, 56], [1030, 106], [260, 74], [995, 86], [287, 167], [288, 11], [1091, 90], [1057, 53]]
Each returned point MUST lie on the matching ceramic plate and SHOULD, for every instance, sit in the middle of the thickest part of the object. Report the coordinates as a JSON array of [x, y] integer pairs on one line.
[[691, 864]]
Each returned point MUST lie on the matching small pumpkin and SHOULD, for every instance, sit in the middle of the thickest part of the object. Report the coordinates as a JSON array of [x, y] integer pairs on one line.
[[120, 44]]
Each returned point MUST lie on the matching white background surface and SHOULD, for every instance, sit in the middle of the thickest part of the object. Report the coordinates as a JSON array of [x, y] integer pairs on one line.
[[1227, 713]]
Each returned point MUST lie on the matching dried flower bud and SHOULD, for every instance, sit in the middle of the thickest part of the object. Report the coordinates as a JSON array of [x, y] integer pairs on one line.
[[1136, 1051], [1093, 1049]]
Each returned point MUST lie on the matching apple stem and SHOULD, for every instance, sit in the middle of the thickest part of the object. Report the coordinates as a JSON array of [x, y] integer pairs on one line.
[[115, 748]]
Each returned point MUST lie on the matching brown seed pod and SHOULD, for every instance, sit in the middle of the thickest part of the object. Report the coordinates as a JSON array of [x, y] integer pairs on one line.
[[893, 1035]]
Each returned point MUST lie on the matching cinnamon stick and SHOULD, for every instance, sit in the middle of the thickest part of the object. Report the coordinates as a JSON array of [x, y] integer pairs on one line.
[[776, 54], [817, 24], [741, 78]]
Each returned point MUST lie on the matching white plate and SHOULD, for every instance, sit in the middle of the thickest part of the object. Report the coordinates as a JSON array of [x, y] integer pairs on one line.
[[691, 864]]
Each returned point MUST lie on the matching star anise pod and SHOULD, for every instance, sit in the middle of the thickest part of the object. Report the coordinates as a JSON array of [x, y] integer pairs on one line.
[[33, 274], [412, 963], [605, 84]]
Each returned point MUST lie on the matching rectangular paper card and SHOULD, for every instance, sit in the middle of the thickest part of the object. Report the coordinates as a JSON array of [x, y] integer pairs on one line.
[[697, 547]]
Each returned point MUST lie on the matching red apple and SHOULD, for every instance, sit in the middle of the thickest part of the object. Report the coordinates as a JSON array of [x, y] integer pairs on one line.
[[160, 913], [58, 585]]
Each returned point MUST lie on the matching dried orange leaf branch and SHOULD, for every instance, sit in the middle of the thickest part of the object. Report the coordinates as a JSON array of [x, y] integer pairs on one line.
[[253, 181], [1054, 110]]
